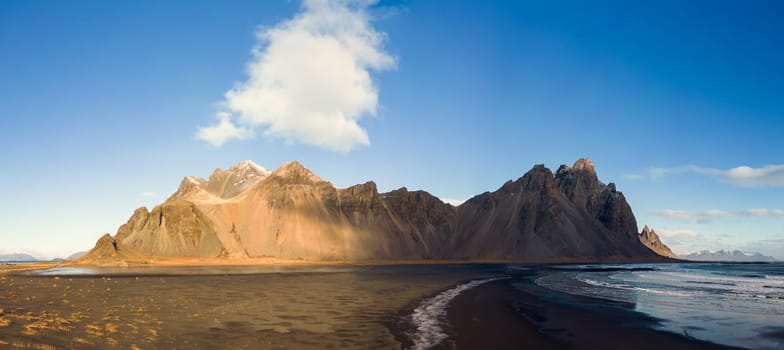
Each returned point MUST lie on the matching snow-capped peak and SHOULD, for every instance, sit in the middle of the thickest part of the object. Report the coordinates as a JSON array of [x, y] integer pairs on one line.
[[249, 164]]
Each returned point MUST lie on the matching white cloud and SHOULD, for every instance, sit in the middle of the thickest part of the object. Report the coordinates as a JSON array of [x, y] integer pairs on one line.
[[677, 233], [706, 216], [310, 79], [225, 130], [149, 194], [744, 176], [769, 175]]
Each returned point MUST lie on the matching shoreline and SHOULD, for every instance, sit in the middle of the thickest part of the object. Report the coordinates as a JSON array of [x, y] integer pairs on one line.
[[500, 316], [271, 261]]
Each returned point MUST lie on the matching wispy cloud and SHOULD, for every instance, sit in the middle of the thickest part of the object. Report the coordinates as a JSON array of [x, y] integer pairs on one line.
[[745, 176], [677, 233], [309, 79], [149, 194], [707, 215]]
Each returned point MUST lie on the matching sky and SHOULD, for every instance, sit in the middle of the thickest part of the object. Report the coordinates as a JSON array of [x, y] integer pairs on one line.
[[106, 106]]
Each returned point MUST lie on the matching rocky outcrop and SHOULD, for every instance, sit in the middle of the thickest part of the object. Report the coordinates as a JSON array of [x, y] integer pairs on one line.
[[650, 239], [246, 211], [108, 251], [222, 184], [175, 228]]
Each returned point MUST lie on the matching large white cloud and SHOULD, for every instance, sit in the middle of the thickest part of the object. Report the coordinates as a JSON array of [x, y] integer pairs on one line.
[[309, 80]]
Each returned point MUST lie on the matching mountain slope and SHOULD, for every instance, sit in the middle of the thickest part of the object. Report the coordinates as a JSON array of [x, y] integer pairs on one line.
[[291, 213], [544, 217]]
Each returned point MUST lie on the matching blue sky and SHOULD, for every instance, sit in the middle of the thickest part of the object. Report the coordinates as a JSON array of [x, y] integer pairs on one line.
[[107, 105]]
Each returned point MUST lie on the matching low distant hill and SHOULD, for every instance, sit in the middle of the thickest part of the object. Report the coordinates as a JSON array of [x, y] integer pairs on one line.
[[726, 255], [76, 255], [17, 257]]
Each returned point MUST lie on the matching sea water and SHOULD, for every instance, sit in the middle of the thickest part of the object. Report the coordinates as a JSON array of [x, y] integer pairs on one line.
[[739, 304]]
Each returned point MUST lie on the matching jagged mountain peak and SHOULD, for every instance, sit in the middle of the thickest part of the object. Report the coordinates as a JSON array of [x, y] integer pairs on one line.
[[296, 172], [222, 183], [246, 165], [236, 179], [584, 164]]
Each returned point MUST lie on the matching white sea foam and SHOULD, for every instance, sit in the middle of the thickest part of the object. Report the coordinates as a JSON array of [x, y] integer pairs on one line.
[[634, 288], [430, 316]]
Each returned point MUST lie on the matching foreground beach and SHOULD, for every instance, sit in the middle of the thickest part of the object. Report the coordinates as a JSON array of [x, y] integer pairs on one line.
[[453, 306], [497, 315]]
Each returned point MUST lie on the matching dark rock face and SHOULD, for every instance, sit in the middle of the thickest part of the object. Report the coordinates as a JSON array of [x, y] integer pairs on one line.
[[292, 213], [542, 216]]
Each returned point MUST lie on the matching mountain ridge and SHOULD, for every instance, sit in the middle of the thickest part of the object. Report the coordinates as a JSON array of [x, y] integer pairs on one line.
[[291, 213]]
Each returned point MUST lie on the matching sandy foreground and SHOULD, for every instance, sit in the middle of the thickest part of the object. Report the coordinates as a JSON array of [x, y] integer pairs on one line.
[[342, 305]]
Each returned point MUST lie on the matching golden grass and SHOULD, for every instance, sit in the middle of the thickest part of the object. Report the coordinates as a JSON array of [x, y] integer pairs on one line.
[[82, 341]]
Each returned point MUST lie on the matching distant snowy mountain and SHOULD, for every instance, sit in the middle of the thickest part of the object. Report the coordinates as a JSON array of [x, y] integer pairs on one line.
[[17, 257], [726, 255]]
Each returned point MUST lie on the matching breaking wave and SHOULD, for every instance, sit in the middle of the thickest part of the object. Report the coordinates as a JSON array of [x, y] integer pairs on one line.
[[429, 317]]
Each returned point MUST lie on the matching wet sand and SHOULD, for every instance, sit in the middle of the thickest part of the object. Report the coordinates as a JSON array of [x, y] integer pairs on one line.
[[337, 307], [498, 315], [311, 307]]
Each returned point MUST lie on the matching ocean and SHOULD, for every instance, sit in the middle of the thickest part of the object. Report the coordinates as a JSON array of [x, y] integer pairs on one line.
[[737, 304]]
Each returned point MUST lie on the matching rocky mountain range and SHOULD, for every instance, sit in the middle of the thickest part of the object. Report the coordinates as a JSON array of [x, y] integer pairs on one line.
[[291, 213], [727, 255]]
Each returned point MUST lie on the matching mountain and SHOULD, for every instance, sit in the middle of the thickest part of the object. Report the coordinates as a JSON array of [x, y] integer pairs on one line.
[[291, 213], [651, 240], [726, 255], [17, 257], [75, 256]]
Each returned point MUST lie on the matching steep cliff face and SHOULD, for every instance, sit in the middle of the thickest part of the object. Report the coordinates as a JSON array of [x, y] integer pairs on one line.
[[175, 228], [544, 217], [603, 202], [246, 211], [650, 239]]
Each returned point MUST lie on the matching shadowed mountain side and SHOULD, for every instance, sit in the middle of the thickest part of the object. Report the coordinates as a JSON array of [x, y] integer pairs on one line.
[[533, 219], [291, 213]]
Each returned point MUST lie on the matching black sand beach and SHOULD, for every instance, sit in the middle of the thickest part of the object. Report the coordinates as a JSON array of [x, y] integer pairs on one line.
[[515, 314], [330, 307]]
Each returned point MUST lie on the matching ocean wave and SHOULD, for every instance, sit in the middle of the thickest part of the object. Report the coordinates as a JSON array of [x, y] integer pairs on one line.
[[635, 288], [429, 317]]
